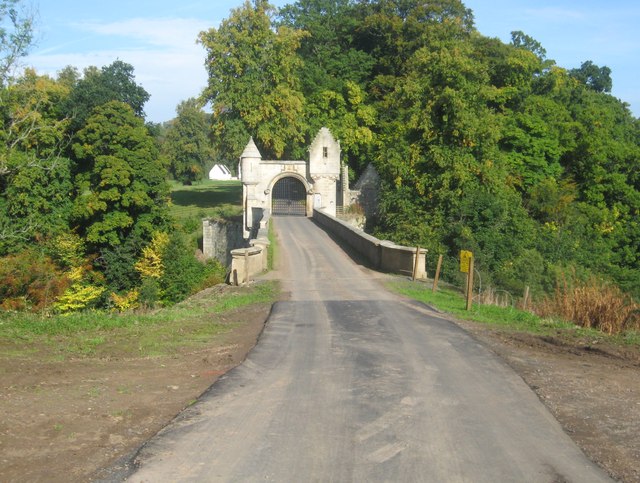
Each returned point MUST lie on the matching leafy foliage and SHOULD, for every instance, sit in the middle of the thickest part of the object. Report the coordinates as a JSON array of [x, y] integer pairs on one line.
[[121, 187], [253, 84], [187, 144], [77, 220], [16, 36], [30, 280], [150, 264], [183, 274], [114, 82], [480, 145]]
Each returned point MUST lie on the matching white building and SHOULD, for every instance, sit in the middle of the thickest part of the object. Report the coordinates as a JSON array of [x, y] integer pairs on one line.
[[221, 173]]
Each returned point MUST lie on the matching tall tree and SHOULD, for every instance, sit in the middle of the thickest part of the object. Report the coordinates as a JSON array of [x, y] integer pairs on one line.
[[594, 77], [114, 82], [253, 84], [334, 75], [16, 36], [187, 144], [35, 186], [121, 189]]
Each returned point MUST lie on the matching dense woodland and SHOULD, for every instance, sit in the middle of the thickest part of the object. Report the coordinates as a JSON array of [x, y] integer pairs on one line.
[[84, 197], [481, 145]]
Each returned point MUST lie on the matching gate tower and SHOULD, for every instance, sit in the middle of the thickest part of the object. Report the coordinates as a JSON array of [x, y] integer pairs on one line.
[[276, 187]]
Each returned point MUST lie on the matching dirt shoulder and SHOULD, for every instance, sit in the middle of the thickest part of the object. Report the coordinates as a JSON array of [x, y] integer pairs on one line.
[[64, 421]]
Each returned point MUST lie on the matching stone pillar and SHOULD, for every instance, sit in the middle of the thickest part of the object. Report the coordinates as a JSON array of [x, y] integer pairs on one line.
[[250, 160], [346, 196]]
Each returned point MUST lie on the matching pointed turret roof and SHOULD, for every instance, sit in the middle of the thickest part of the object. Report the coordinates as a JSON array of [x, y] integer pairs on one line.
[[251, 151]]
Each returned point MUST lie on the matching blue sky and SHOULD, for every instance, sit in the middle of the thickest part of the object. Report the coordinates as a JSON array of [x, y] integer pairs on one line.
[[158, 37]]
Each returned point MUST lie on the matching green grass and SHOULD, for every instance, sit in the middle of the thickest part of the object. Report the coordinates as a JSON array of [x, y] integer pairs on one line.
[[272, 250], [101, 334], [220, 200], [207, 199], [506, 318]]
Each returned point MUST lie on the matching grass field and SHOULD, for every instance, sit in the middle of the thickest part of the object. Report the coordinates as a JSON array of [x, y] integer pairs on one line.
[[207, 199], [188, 324]]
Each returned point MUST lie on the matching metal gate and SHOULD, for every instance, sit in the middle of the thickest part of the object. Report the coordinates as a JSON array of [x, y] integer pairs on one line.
[[289, 197]]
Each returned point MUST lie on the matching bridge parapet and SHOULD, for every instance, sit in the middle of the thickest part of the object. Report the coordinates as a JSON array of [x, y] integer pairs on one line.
[[246, 263], [380, 255]]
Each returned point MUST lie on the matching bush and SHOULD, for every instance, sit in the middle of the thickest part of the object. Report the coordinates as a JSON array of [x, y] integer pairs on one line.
[[79, 296], [149, 293], [127, 301], [594, 304], [183, 274], [118, 265], [30, 280]]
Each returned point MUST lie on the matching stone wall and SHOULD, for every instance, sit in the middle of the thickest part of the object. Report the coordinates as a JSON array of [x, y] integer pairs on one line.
[[248, 262], [365, 192], [219, 237], [379, 254]]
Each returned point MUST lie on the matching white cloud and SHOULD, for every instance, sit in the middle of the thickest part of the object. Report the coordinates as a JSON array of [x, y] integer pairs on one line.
[[164, 32], [167, 61]]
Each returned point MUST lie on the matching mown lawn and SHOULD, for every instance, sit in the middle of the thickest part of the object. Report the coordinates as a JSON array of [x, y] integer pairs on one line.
[[207, 199]]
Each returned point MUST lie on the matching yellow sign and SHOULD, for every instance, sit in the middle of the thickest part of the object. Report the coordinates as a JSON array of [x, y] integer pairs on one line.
[[465, 256]]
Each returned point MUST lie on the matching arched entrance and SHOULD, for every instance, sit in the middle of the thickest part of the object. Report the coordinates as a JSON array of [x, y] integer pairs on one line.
[[289, 197]]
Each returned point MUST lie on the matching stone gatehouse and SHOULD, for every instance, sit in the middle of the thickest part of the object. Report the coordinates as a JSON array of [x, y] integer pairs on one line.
[[275, 187]]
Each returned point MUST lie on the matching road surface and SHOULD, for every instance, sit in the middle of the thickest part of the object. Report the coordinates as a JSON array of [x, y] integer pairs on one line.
[[352, 383]]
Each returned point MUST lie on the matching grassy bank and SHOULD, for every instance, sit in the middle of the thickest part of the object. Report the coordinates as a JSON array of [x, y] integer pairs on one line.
[[506, 318], [100, 334]]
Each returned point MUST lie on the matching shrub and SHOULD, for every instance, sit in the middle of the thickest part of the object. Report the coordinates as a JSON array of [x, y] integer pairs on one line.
[[150, 264], [594, 304], [149, 293], [128, 301], [79, 296], [183, 273], [118, 265], [30, 280]]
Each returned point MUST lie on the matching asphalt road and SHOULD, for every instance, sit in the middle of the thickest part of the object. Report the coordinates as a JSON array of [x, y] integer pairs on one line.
[[352, 383]]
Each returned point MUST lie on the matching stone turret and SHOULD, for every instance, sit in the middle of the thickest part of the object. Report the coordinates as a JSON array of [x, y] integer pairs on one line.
[[250, 175], [324, 169], [324, 155], [250, 163]]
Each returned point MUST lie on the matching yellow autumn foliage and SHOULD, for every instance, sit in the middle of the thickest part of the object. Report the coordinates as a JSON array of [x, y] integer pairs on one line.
[[128, 301], [77, 297], [150, 263]]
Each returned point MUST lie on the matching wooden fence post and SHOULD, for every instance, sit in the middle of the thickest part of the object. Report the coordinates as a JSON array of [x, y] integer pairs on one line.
[[437, 276], [470, 285], [525, 300]]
